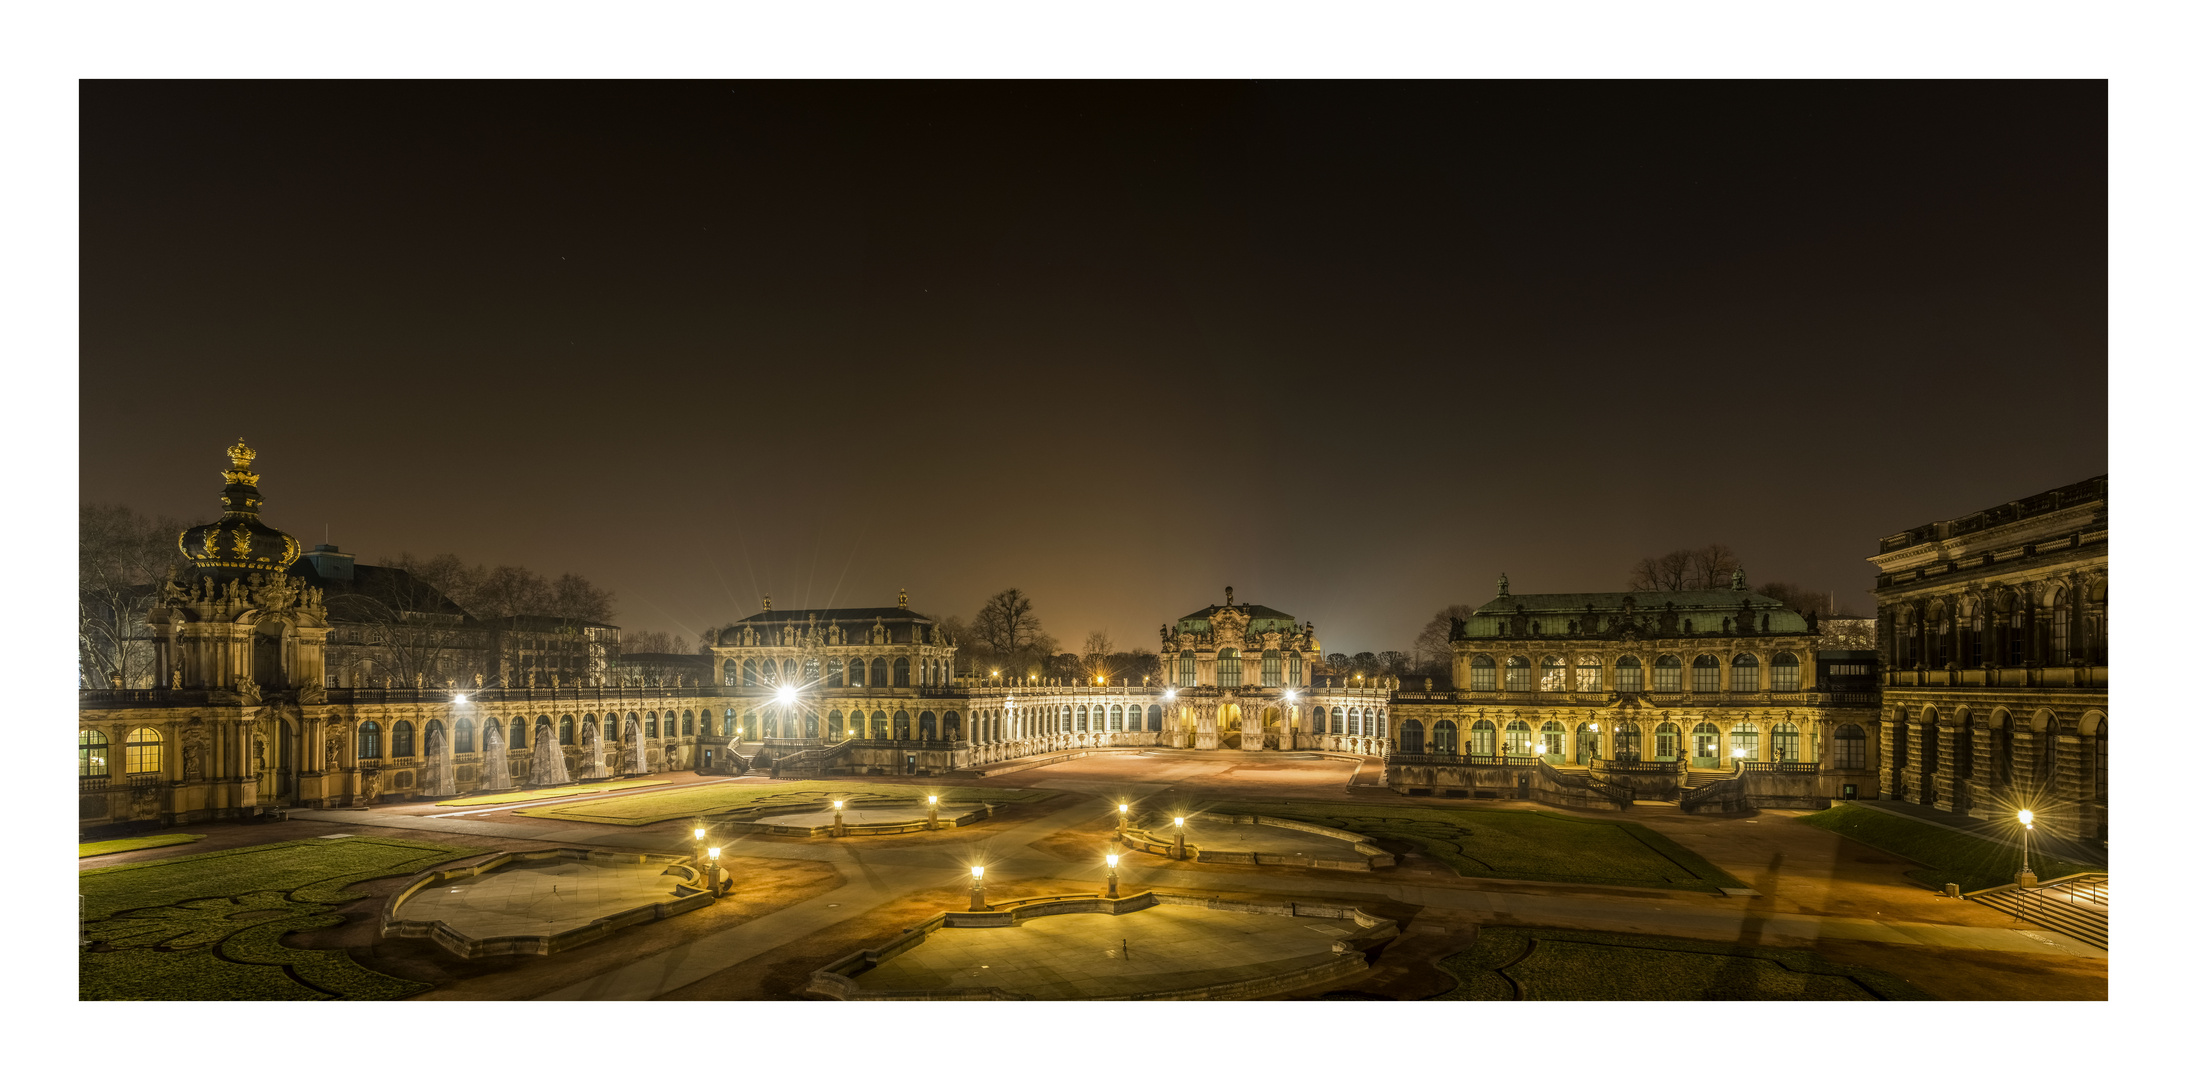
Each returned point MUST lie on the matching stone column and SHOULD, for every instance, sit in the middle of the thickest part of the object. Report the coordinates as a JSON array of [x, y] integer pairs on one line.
[[1911, 770], [1947, 767], [2023, 772], [1888, 766], [2069, 787], [1979, 802]]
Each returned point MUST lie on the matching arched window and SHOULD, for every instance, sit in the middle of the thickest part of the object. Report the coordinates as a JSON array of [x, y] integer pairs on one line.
[[567, 736], [517, 734], [2061, 629], [706, 723], [1784, 673], [1446, 737], [1517, 674], [902, 720], [1625, 740], [1188, 669], [466, 736], [1154, 718], [1746, 741], [1484, 739], [1553, 673], [368, 740], [1784, 743], [857, 675], [1666, 740], [767, 673], [1227, 668], [901, 670], [141, 751], [1587, 677], [91, 750], [1518, 740], [1132, 719], [686, 721], [1352, 723], [811, 673], [1484, 673], [1321, 721], [1271, 668], [1706, 742], [1746, 674], [1298, 669], [653, 726], [835, 671], [1628, 675], [835, 725], [926, 726], [1411, 738], [1553, 739], [1708, 674], [1667, 672], [751, 672], [1081, 719], [406, 739], [856, 726], [1849, 748], [492, 736]]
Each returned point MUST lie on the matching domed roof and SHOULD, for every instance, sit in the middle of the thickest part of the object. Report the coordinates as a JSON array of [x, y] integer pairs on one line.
[[239, 543]]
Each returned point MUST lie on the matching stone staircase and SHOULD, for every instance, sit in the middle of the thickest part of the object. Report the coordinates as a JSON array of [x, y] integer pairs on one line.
[[2078, 906]]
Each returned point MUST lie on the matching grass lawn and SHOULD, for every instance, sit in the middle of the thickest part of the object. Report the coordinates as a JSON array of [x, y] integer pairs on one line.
[[135, 843], [1519, 963], [1530, 844], [1971, 862], [720, 800], [208, 927], [550, 793]]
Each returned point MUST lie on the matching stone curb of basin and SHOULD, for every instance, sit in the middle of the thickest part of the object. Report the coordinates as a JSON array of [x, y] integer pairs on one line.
[[1347, 957], [693, 896], [916, 823], [1154, 843]]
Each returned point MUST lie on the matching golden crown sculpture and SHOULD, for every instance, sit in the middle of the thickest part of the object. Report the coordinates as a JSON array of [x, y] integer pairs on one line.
[[240, 457]]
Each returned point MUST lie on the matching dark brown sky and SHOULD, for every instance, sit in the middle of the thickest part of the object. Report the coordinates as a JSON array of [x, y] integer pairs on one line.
[[1352, 349]]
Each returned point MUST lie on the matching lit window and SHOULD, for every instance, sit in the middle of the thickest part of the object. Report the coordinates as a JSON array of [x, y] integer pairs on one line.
[[1484, 739], [1587, 677], [1517, 674], [368, 739], [1229, 668], [91, 750], [1188, 670], [1484, 673], [141, 751], [1628, 675], [1746, 674], [1518, 740], [1784, 743], [1666, 741], [406, 740], [1667, 674], [1552, 673]]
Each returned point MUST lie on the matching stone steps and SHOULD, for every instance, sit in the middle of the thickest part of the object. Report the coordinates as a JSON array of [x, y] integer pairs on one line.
[[2078, 907]]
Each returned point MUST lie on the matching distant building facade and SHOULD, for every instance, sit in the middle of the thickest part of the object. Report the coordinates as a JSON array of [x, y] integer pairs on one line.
[[1994, 639]]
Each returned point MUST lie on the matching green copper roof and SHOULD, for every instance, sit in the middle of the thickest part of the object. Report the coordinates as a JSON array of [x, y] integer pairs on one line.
[[1706, 607], [1259, 619]]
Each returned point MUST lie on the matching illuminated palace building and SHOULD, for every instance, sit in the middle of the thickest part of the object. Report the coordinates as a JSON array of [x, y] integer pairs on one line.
[[1720, 700], [1995, 643]]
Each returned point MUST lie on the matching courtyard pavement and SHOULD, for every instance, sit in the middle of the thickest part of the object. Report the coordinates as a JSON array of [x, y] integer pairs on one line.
[[1036, 846], [535, 898]]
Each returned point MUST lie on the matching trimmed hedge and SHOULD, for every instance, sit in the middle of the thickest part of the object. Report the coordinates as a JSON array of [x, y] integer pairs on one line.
[[1948, 856], [717, 800], [560, 792], [208, 927], [1531, 845], [135, 843], [1523, 963]]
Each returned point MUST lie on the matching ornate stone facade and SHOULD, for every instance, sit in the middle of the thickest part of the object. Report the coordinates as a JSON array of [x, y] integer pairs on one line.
[[1994, 636]]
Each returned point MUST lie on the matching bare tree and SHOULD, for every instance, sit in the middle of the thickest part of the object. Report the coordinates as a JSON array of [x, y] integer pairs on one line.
[[1136, 665], [1800, 599], [120, 554], [1010, 633], [1431, 647], [1708, 567], [1394, 662], [1094, 656], [405, 629], [653, 641]]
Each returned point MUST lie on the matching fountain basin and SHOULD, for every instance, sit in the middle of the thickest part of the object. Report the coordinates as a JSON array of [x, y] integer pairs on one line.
[[861, 817], [542, 902], [1261, 840], [1147, 947]]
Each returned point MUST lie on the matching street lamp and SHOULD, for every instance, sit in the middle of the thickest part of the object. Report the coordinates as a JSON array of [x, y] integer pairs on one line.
[[979, 888], [1112, 875], [1180, 823], [933, 811], [2027, 829], [713, 871], [839, 818], [1122, 810]]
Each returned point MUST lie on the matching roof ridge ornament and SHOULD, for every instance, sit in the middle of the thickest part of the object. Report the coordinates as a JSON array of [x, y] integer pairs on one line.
[[239, 461], [1503, 584], [1227, 602], [903, 600]]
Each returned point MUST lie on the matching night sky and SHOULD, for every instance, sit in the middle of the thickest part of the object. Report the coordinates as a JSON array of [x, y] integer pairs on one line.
[[1351, 349]]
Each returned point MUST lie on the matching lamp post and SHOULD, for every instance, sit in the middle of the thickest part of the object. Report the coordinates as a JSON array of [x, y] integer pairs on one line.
[[1180, 823], [933, 812], [1122, 811], [1112, 875], [979, 888], [713, 871], [2027, 829], [838, 832]]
